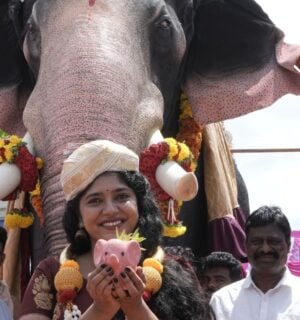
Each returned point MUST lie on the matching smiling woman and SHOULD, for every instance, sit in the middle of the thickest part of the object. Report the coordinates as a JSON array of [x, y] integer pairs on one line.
[[107, 196], [107, 205]]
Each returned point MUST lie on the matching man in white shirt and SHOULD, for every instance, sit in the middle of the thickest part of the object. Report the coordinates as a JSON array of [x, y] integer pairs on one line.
[[270, 291]]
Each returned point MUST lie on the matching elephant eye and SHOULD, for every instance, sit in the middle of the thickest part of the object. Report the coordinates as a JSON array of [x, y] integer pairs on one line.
[[32, 45], [164, 23], [105, 253], [31, 30], [123, 253]]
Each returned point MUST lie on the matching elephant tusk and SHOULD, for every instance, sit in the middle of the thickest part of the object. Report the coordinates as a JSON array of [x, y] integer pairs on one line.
[[10, 174], [155, 137], [172, 178], [27, 138]]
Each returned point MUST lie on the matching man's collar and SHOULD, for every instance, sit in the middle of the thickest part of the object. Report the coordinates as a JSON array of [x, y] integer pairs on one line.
[[286, 280]]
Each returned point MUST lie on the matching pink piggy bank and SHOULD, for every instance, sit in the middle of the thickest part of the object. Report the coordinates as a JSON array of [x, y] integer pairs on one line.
[[117, 253]]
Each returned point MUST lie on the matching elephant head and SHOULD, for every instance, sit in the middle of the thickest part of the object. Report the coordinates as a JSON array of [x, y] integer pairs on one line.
[[113, 70], [117, 253]]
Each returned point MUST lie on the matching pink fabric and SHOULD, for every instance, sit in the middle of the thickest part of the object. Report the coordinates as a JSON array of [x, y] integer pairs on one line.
[[296, 233], [294, 256], [219, 98]]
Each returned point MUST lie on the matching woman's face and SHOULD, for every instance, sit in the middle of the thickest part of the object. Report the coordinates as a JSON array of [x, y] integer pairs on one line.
[[107, 205]]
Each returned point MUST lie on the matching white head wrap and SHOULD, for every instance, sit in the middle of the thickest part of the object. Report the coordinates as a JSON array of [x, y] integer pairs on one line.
[[90, 160]]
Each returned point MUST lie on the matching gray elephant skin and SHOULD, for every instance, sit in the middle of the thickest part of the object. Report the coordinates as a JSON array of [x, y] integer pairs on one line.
[[77, 70]]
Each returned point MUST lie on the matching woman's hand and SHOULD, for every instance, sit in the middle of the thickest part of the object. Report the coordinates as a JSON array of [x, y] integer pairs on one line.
[[129, 286], [128, 290], [99, 286]]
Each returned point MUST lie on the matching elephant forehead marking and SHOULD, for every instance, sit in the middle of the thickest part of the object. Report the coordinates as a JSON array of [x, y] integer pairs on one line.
[[92, 2]]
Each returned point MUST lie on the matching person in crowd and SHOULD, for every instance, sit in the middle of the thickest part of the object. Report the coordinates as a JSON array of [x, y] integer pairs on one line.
[[6, 302], [105, 192], [269, 290], [219, 269], [184, 255]]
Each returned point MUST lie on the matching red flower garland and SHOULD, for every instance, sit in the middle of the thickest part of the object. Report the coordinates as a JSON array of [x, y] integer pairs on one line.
[[13, 150], [190, 133], [26, 162], [150, 159]]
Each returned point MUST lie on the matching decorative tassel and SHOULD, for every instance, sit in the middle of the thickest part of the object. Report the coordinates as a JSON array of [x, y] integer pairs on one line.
[[173, 228], [152, 269], [171, 213], [72, 312], [68, 281]]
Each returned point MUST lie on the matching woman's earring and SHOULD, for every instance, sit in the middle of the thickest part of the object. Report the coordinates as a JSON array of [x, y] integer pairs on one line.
[[81, 233]]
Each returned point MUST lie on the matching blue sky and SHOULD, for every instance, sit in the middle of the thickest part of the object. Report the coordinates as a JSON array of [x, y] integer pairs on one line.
[[273, 178]]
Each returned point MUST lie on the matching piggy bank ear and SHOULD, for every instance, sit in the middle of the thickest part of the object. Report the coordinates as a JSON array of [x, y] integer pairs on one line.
[[99, 251], [133, 252]]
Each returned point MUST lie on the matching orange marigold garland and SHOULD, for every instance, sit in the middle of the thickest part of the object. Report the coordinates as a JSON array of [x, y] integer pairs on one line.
[[190, 132], [186, 153], [152, 269], [36, 202], [18, 218], [68, 281]]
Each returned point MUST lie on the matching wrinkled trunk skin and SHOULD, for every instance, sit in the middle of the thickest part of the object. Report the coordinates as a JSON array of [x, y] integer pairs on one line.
[[93, 83]]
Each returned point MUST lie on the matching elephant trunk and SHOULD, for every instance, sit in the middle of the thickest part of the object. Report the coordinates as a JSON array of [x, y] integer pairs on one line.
[[53, 206], [92, 84]]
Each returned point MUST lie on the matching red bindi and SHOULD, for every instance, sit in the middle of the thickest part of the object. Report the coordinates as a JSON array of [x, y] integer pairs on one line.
[[92, 2]]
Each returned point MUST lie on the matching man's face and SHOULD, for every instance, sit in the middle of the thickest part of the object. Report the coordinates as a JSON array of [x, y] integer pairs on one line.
[[214, 279], [267, 249]]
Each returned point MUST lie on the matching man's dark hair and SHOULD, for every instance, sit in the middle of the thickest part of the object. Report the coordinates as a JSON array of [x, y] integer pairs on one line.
[[266, 215], [222, 259], [3, 236]]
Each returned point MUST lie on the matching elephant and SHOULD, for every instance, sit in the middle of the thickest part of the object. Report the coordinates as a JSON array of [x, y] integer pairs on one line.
[[80, 70]]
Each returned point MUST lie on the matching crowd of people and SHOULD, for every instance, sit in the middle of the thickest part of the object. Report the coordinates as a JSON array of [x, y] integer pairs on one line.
[[112, 194]]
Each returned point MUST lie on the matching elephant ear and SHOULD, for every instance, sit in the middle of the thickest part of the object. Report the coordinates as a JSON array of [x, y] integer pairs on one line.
[[99, 251], [185, 10], [237, 62], [133, 252], [16, 81], [10, 52]]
